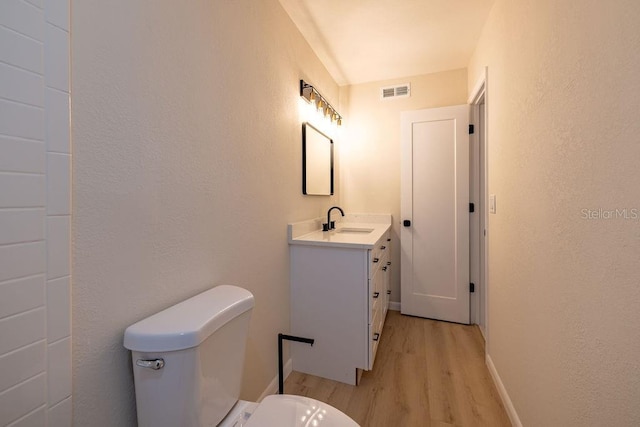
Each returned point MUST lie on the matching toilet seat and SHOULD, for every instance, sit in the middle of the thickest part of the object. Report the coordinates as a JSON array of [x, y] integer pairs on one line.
[[285, 410]]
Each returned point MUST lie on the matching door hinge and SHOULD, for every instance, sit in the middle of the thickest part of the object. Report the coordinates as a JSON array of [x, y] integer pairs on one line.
[[472, 287], [472, 207], [471, 129]]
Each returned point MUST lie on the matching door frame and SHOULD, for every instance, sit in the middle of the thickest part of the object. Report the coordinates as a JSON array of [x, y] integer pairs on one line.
[[479, 146]]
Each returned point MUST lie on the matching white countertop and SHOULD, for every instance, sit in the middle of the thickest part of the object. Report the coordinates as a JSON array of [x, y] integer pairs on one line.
[[299, 233]]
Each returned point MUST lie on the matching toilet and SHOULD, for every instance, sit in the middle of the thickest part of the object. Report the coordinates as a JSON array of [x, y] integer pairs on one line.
[[187, 369]]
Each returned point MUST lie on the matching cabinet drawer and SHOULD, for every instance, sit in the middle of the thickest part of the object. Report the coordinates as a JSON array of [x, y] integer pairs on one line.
[[383, 246], [379, 254], [375, 333], [377, 290], [374, 262], [376, 304]]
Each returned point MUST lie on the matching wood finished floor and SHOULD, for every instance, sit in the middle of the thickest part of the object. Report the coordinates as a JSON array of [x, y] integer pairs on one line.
[[426, 373]]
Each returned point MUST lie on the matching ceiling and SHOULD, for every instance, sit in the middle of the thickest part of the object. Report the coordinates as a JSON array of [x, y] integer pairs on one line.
[[369, 40]]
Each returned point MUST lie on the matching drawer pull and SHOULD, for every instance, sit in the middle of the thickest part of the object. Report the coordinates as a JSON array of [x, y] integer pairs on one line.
[[383, 247], [376, 336], [388, 240], [389, 292], [388, 262], [384, 268], [376, 294], [376, 260]]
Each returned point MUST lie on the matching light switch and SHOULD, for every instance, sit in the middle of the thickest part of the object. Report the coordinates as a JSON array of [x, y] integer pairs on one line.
[[492, 203]]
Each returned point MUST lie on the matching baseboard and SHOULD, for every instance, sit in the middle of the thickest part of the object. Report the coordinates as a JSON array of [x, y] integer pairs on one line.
[[393, 305], [272, 388], [506, 400]]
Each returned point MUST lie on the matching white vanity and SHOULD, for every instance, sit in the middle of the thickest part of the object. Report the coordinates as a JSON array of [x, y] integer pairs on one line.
[[339, 294]]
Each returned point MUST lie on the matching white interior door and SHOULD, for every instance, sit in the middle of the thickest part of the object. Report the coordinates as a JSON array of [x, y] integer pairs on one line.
[[435, 200]]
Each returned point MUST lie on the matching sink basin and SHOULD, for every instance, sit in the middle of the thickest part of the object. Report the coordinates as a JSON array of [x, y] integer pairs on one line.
[[356, 230]]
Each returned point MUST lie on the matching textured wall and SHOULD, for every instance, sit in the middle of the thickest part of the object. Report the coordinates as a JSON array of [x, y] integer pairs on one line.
[[563, 140], [35, 214], [187, 168], [371, 149]]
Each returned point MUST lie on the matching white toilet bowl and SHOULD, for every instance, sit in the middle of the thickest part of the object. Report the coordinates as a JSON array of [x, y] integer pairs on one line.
[[286, 410]]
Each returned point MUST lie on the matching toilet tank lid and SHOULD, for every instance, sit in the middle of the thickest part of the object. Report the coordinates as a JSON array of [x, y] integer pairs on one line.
[[190, 322]]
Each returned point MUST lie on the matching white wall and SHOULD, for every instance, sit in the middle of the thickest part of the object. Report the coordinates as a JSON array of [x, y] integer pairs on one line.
[[370, 167], [35, 208], [187, 169], [564, 96]]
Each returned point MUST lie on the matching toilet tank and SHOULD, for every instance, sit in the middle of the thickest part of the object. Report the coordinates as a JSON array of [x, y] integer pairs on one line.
[[188, 359]]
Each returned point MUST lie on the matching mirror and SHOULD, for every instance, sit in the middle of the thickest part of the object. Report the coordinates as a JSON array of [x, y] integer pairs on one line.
[[317, 162]]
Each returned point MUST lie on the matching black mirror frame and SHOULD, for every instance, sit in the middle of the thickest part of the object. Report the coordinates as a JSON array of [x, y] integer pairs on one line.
[[304, 159]]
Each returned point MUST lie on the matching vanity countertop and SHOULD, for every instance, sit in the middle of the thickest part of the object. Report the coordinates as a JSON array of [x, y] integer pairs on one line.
[[353, 233]]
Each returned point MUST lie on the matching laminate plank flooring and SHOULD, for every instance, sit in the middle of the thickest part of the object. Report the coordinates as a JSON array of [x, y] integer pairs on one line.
[[426, 373]]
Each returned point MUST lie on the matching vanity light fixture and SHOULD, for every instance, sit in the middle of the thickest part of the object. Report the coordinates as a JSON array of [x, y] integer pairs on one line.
[[311, 94]]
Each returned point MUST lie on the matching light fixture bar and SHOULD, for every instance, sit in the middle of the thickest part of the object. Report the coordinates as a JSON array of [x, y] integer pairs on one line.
[[311, 94]]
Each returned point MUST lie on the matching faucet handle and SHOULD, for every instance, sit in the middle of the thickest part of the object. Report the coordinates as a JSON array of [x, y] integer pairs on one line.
[[332, 226], [325, 226]]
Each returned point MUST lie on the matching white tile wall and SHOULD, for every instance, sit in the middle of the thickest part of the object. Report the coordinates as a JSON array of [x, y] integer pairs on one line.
[[57, 13], [23, 398], [60, 414], [35, 214], [20, 50], [21, 295], [58, 242], [57, 121], [25, 363], [26, 156], [37, 418], [21, 225], [58, 191], [38, 3], [22, 190], [21, 330], [56, 58], [22, 18], [22, 87], [24, 121], [58, 309], [59, 371], [22, 259]]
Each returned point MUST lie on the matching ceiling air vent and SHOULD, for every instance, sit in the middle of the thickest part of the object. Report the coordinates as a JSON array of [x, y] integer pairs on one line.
[[400, 91]]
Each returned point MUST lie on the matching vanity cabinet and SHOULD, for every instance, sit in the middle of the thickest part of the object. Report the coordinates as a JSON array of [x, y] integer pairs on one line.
[[339, 297]]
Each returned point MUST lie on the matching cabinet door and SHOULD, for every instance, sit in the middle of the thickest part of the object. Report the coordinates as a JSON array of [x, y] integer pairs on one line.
[[329, 303]]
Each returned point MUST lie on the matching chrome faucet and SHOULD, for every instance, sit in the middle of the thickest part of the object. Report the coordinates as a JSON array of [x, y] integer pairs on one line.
[[330, 225]]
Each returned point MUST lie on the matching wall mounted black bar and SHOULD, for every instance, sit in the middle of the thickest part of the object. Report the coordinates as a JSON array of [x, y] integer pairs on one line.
[[280, 367]]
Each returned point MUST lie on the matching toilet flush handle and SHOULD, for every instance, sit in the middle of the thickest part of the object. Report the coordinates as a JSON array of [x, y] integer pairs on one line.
[[154, 364]]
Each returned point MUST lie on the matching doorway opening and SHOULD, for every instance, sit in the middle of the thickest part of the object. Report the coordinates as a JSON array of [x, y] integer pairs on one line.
[[478, 221]]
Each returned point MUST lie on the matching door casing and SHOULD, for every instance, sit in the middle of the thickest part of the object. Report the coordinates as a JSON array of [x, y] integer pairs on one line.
[[479, 237]]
